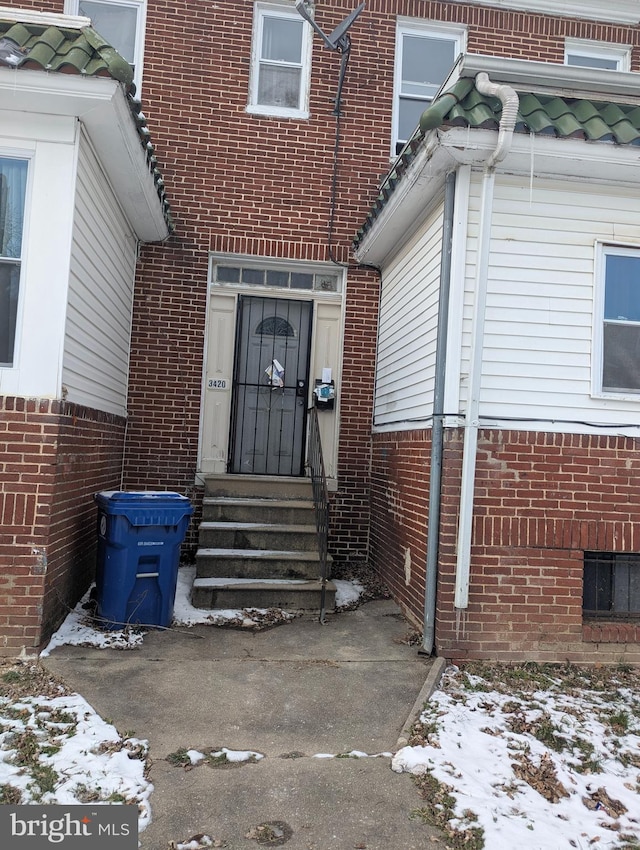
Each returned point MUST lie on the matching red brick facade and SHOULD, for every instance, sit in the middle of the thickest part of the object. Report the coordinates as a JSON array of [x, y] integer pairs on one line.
[[541, 500], [257, 185], [53, 458]]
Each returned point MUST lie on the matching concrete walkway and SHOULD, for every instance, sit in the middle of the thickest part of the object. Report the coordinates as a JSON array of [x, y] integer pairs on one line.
[[290, 693]]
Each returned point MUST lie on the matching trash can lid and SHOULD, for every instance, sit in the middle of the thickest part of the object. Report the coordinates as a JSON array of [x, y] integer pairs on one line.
[[140, 495]]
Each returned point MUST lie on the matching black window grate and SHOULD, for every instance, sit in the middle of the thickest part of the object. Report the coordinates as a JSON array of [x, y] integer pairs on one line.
[[611, 586]]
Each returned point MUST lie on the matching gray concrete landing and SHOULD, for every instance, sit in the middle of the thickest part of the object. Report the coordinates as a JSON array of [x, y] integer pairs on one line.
[[290, 693]]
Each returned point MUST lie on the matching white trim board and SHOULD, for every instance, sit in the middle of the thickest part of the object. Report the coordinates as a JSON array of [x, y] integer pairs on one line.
[[617, 11]]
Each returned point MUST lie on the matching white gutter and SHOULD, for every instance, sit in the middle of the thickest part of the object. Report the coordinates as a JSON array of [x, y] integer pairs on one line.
[[509, 100]]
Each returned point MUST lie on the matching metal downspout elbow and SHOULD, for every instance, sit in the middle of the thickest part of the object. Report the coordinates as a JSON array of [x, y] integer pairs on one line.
[[508, 97]]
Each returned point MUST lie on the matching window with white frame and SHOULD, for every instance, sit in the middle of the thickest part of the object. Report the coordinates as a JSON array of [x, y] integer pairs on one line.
[[280, 62], [620, 320], [13, 184], [594, 54], [425, 53], [121, 23]]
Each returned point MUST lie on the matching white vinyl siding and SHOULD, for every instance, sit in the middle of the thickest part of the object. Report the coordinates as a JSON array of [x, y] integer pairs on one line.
[[407, 333], [539, 347], [98, 327]]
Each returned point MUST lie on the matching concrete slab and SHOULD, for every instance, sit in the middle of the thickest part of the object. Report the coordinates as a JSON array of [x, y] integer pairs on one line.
[[300, 688]]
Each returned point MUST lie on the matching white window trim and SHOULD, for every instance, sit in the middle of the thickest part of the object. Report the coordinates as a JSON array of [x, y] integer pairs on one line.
[[620, 53], [71, 8], [603, 249], [28, 157], [286, 11], [424, 29]]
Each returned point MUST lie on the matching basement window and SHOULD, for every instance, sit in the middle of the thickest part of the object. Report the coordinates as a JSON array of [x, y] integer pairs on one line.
[[611, 586]]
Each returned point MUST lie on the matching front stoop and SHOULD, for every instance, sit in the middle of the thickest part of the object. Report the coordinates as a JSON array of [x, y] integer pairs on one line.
[[258, 546]]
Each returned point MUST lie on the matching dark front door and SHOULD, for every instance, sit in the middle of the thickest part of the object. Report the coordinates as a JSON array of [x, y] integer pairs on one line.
[[270, 386]]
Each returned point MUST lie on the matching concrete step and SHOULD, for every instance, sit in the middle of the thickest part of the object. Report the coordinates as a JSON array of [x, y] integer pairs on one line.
[[266, 486], [257, 563], [257, 535], [246, 593], [246, 509]]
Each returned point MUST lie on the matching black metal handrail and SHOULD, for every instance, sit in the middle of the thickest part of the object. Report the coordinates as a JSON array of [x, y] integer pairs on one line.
[[315, 462]]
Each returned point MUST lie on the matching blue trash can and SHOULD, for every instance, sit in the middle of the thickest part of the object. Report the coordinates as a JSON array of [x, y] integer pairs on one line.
[[139, 539]]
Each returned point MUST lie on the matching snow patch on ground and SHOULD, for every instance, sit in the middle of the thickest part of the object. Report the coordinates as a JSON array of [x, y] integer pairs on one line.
[[78, 628], [553, 766], [58, 750], [238, 755], [348, 593]]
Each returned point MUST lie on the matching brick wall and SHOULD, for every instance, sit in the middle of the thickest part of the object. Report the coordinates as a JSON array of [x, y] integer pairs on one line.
[[541, 500], [53, 457], [259, 185]]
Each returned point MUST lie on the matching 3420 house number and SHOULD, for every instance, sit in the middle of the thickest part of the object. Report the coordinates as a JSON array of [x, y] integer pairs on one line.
[[217, 384]]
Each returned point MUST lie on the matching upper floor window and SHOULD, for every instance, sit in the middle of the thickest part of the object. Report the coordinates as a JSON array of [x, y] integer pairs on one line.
[[121, 23], [280, 62], [425, 53], [620, 320], [594, 54], [13, 184]]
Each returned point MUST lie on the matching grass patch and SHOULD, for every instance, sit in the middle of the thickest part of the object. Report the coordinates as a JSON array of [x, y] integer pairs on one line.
[[26, 747], [180, 758], [45, 780], [10, 796], [439, 811]]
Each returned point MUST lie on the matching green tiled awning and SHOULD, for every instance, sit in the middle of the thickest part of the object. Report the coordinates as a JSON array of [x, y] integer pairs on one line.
[[561, 117], [69, 50]]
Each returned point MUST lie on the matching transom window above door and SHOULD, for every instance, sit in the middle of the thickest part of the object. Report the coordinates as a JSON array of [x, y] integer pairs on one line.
[[250, 273], [280, 62], [121, 23], [425, 53]]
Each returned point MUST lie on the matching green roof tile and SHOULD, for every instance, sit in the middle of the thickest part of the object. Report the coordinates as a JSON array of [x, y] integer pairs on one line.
[[563, 117], [33, 46]]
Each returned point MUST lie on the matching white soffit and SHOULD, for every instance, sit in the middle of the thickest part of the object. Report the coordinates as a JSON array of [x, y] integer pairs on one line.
[[100, 104]]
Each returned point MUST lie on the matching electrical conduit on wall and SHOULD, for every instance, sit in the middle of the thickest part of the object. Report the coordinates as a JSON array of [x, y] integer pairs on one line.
[[437, 430], [509, 100]]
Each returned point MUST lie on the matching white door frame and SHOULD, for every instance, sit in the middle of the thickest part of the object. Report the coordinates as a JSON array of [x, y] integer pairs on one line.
[[219, 350]]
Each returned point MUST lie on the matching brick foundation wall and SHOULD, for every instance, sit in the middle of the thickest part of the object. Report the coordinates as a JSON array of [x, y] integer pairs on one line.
[[53, 457], [541, 500]]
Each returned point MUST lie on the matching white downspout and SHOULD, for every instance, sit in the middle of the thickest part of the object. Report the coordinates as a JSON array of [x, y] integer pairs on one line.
[[509, 100]]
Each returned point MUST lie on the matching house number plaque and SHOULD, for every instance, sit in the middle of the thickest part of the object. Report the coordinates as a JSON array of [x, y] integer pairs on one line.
[[217, 383]]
